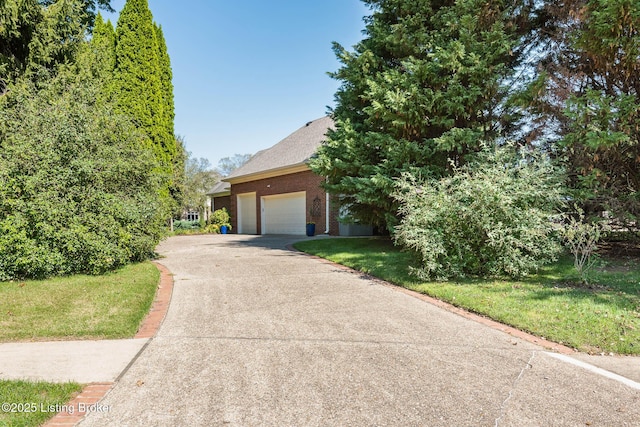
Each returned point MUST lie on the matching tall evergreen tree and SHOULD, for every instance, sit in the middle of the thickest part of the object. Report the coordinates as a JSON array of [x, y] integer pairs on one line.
[[30, 31], [423, 89], [18, 22], [138, 81], [166, 80], [103, 44], [588, 92]]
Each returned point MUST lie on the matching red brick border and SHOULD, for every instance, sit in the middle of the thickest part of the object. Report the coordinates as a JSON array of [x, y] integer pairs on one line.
[[154, 319], [549, 345], [75, 410]]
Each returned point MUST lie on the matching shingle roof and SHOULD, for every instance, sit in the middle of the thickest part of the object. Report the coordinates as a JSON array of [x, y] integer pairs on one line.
[[295, 149], [220, 187]]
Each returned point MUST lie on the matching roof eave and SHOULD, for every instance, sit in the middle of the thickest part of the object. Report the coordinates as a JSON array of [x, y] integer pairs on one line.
[[220, 193], [285, 170]]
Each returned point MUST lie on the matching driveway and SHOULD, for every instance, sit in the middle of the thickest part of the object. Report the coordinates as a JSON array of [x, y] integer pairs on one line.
[[260, 335]]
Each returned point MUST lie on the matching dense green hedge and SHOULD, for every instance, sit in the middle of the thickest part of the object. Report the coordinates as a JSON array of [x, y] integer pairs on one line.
[[78, 185]]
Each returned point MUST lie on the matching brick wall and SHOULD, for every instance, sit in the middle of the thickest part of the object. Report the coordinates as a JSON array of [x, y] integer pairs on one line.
[[222, 202], [291, 183]]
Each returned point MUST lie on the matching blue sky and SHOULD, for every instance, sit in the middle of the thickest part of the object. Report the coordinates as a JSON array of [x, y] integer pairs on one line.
[[248, 73]]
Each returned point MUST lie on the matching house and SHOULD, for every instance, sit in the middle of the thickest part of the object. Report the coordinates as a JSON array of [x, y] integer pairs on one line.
[[220, 196], [276, 193]]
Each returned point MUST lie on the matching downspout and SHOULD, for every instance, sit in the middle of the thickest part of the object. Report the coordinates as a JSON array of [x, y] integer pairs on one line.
[[326, 216]]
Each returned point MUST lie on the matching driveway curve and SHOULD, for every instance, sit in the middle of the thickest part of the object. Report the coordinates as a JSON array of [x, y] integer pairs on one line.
[[260, 335]]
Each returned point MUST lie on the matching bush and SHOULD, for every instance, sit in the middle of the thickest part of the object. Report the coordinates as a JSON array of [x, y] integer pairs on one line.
[[218, 218], [491, 217], [212, 229], [186, 225], [581, 238], [79, 191]]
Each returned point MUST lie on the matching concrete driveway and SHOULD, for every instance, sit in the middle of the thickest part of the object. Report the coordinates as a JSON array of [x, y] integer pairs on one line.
[[259, 335]]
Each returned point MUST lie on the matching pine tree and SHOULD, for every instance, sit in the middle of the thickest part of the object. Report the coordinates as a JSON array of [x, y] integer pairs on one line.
[[419, 93]]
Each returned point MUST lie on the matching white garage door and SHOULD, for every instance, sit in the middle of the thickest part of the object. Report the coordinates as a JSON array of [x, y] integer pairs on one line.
[[247, 221], [284, 214]]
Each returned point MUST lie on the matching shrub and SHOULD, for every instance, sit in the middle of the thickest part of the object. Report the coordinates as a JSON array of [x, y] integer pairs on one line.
[[491, 217], [212, 229], [186, 225], [220, 217], [79, 187], [581, 238]]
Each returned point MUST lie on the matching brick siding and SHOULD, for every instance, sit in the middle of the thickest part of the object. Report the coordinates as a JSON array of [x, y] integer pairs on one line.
[[283, 184]]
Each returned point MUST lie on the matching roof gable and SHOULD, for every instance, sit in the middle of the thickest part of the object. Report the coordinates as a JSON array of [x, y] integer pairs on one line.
[[291, 153]]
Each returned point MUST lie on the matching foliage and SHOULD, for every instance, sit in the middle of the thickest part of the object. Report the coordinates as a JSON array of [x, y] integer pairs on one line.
[[581, 238], [186, 225], [212, 229], [78, 191], [417, 95], [586, 91], [226, 165], [220, 218], [88, 6], [139, 80], [199, 179], [41, 32], [103, 48], [602, 318], [492, 217]]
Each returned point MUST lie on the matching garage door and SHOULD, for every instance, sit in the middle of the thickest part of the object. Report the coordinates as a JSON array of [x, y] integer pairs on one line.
[[247, 221], [284, 213]]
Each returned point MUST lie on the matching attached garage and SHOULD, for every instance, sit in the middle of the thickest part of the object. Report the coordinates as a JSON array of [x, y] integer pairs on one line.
[[247, 221], [276, 192], [284, 213]]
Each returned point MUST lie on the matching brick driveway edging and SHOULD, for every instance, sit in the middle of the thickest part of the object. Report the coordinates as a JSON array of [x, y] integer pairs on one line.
[[87, 400]]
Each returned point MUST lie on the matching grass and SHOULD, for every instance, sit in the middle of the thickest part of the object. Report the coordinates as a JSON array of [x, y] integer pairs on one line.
[[78, 307], [604, 317], [31, 404]]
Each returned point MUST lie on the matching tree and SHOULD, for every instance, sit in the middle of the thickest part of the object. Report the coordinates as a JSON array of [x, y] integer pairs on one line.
[[90, 8], [166, 84], [587, 90], [103, 44], [226, 165], [31, 31], [419, 93], [199, 179], [18, 21], [138, 82]]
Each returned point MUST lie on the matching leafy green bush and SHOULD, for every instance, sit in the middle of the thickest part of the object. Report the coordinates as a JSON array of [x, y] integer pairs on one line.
[[212, 229], [186, 225], [79, 188], [220, 217], [491, 217]]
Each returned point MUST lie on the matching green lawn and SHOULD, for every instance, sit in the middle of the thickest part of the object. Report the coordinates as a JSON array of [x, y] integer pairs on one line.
[[75, 307], [78, 307], [604, 317], [31, 404]]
